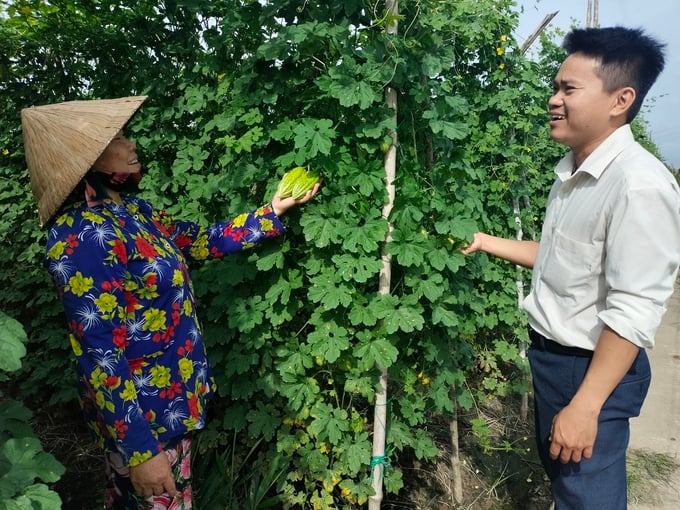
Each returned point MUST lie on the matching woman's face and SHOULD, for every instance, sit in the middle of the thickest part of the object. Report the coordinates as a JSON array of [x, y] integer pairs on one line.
[[120, 156]]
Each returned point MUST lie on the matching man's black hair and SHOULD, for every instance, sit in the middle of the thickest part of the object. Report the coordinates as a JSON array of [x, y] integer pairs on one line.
[[628, 58]]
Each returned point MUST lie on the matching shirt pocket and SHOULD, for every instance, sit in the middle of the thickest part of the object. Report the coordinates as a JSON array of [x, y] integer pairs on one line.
[[572, 268]]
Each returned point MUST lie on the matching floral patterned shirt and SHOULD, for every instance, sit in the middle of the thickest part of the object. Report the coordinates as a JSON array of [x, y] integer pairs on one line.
[[121, 272]]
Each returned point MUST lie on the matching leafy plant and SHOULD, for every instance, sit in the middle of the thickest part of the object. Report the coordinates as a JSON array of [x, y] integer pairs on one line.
[[23, 463], [241, 91]]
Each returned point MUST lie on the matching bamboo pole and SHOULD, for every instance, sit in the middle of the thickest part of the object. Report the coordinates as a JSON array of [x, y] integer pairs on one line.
[[378, 456], [546, 21], [457, 489]]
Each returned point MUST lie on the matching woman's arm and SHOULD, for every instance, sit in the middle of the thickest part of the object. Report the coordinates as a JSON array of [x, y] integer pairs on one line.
[[241, 233]]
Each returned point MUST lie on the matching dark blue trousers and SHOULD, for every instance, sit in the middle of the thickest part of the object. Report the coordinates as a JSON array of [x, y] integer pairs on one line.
[[598, 483]]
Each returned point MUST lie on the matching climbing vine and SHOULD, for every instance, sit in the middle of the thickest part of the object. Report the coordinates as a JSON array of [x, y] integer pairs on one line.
[[240, 92]]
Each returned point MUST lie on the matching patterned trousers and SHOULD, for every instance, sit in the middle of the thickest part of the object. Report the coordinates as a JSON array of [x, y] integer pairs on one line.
[[120, 495]]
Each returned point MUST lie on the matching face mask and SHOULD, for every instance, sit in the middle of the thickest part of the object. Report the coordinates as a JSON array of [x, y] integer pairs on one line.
[[122, 182], [97, 184]]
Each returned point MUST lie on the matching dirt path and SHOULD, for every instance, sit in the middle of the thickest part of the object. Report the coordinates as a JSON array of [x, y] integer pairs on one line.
[[657, 430]]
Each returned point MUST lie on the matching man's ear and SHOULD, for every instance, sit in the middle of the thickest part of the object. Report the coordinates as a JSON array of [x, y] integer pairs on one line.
[[623, 100]]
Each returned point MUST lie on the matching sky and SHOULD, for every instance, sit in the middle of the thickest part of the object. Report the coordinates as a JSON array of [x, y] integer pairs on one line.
[[659, 18]]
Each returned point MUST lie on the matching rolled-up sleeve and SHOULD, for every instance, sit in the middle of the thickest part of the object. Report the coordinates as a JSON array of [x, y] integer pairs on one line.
[[643, 252]]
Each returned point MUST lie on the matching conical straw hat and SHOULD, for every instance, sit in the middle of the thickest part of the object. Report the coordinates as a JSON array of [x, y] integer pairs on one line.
[[63, 140]]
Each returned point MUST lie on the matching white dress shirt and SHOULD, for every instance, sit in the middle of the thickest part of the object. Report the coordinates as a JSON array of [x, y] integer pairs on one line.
[[609, 249]]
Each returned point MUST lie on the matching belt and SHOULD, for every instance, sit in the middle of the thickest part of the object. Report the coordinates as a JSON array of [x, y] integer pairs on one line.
[[541, 343]]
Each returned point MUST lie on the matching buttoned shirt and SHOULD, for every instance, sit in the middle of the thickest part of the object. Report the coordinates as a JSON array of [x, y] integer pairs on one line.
[[609, 249], [122, 275]]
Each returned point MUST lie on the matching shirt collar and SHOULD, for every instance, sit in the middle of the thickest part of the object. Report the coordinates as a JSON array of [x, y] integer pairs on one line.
[[600, 158]]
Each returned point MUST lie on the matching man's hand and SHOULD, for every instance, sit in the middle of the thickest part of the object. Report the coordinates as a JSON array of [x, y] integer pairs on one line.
[[475, 245], [573, 434], [574, 428], [522, 253], [153, 477]]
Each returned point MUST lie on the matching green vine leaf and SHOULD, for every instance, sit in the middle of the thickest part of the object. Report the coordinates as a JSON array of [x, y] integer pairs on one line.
[[247, 313], [328, 423], [358, 269], [12, 340], [312, 137], [36, 497], [376, 353], [330, 293], [27, 462], [328, 341]]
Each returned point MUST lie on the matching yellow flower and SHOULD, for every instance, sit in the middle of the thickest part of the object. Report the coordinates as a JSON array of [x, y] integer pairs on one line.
[[129, 393], [106, 302], [199, 252], [5, 152], [139, 457], [504, 38], [261, 211], [187, 308], [149, 292], [57, 250], [177, 278], [95, 218], [266, 224], [240, 220], [154, 320], [190, 423], [65, 218], [97, 378], [75, 345], [160, 376], [80, 284], [500, 51], [186, 369], [501, 66]]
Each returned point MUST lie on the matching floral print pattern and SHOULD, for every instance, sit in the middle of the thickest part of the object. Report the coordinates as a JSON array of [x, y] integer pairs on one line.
[[120, 495], [121, 271]]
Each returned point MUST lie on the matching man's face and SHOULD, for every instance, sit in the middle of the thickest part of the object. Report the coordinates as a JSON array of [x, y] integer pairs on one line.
[[580, 108], [120, 156]]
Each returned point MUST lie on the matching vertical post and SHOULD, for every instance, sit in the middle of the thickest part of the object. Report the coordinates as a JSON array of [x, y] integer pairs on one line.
[[378, 457]]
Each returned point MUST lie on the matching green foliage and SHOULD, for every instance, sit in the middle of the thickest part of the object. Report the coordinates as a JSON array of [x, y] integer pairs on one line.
[[12, 340], [23, 462], [240, 92]]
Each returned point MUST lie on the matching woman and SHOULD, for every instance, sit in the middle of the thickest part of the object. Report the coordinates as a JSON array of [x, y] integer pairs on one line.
[[120, 267]]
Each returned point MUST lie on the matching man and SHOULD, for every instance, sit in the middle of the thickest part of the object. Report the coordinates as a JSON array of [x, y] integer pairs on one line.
[[603, 271]]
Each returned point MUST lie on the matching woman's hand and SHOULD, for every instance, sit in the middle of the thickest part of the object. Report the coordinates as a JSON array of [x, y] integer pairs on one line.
[[281, 205], [153, 477]]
